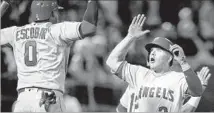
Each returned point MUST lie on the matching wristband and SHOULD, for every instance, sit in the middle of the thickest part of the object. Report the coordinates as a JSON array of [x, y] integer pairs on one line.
[[185, 66]]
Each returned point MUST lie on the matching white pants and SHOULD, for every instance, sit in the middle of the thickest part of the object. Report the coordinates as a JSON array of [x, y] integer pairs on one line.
[[28, 101]]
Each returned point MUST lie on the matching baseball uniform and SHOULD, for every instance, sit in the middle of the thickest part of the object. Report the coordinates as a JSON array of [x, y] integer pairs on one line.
[[127, 100], [41, 53], [154, 93]]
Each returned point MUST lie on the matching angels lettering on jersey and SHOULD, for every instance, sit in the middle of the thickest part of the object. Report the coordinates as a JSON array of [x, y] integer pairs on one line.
[[151, 92]]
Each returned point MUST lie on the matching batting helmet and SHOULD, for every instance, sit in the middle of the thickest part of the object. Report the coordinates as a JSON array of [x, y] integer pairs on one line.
[[160, 42], [42, 9]]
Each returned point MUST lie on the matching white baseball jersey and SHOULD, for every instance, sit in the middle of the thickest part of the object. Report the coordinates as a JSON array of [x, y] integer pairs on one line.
[[41, 52], [155, 93], [127, 100]]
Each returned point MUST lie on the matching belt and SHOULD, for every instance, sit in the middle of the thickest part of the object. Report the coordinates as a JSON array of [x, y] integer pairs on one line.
[[35, 88]]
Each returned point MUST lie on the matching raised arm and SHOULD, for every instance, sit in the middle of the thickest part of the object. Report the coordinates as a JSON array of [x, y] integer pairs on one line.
[[117, 56], [194, 84], [193, 102], [7, 35], [3, 7], [89, 23]]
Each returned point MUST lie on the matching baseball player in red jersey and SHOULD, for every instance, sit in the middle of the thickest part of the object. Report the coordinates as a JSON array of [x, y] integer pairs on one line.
[[41, 51], [158, 89], [126, 101]]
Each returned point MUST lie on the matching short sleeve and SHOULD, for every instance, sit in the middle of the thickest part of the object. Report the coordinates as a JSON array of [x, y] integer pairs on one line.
[[66, 31], [8, 35], [128, 72]]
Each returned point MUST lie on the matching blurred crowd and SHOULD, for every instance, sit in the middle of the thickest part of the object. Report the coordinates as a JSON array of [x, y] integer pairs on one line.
[[90, 86]]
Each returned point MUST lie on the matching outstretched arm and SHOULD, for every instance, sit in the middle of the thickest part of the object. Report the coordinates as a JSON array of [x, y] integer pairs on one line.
[[194, 84], [4, 6], [7, 35], [117, 56], [89, 23], [193, 102]]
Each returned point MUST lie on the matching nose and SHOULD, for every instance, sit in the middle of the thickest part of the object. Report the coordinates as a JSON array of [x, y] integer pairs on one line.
[[152, 53]]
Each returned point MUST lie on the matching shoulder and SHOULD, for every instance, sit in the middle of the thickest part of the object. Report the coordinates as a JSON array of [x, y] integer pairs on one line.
[[178, 75], [66, 23], [142, 69], [7, 29], [70, 25]]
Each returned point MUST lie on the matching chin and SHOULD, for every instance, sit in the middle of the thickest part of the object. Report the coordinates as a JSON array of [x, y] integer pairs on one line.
[[152, 67]]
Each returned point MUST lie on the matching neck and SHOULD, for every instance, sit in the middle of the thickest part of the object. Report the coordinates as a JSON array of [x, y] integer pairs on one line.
[[162, 69]]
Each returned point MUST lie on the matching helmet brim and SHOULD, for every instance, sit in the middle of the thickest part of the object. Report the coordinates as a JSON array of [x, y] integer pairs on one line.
[[149, 46]]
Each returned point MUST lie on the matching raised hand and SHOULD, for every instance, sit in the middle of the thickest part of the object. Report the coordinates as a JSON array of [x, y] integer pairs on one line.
[[135, 29], [204, 76], [178, 53]]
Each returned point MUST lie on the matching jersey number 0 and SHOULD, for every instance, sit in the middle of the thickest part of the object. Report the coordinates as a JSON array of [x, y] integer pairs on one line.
[[30, 53]]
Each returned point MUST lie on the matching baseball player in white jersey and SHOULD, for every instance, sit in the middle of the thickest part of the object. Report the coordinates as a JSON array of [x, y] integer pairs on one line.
[[126, 101], [157, 89], [41, 51]]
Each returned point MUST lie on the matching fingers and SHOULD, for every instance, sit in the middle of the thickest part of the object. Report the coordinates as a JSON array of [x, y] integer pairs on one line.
[[208, 77], [139, 19], [175, 47], [204, 75], [202, 71], [134, 20], [146, 31], [206, 72], [143, 21]]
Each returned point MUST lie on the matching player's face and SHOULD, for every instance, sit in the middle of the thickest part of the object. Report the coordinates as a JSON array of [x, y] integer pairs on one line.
[[158, 58]]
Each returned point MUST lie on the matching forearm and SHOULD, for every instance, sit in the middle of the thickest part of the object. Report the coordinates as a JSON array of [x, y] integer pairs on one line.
[[194, 83], [4, 6], [117, 56], [89, 23]]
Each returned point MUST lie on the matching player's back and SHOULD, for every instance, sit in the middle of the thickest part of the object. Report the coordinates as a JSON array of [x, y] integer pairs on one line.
[[40, 55]]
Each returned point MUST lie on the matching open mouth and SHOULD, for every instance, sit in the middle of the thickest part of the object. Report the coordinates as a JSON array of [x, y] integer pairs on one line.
[[152, 60]]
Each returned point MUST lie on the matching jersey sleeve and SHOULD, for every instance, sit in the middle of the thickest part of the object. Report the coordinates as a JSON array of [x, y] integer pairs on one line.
[[66, 32], [128, 73], [7, 35]]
